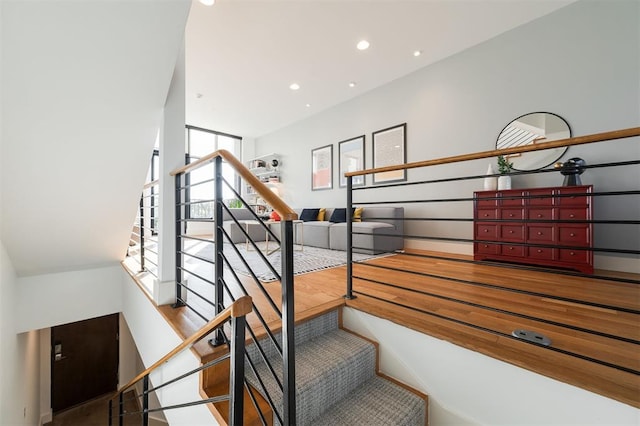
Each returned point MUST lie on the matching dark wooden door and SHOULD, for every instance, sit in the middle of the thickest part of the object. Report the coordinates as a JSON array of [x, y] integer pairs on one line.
[[84, 361]]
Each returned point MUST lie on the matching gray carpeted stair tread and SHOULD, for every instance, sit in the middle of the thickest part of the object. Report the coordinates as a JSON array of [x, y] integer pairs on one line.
[[327, 369], [303, 333], [378, 402]]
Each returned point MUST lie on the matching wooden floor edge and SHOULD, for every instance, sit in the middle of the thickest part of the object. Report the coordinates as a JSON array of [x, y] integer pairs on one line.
[[617, 396]]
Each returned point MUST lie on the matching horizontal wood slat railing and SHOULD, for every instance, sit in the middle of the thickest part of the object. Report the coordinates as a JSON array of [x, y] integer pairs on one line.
[[241, 307], [580, 140], [285, 212]]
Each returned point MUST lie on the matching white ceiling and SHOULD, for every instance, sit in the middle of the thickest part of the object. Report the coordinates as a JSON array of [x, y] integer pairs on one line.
[[242, 55], [83, 89]]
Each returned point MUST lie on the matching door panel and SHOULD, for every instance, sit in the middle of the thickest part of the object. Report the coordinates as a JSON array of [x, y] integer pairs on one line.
[[84, 361]]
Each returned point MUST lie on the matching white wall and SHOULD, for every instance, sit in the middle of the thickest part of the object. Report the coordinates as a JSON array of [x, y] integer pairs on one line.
[[52, 299], [19, 357], [464, 384], [587, 70]]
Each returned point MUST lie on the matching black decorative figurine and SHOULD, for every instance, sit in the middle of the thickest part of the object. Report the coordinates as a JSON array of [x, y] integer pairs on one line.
[[571, 170]]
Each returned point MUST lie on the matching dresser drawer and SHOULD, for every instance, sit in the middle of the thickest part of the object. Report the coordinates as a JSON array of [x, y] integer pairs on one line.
[[513, 214], [486, 214], [486, 199], [572, 214], [574, 235], [512, 232], [574, 256], [483, 248], [580, 199], [540, 213], [543, 197], [540, 233], [515, 251], [512, 198], [486, 231], [540, 253]]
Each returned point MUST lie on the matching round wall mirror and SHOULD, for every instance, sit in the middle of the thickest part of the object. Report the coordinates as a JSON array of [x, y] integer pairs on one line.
[[536, 127]]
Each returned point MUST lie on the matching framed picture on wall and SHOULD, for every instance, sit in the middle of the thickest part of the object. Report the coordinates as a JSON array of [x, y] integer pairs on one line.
[[390, 149], [351, 159], [322, 168]]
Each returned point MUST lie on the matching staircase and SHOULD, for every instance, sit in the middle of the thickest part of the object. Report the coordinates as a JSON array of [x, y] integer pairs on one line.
[[337, 382]]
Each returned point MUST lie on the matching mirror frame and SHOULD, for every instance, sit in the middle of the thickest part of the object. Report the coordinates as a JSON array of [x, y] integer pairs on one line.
[[560, 151]]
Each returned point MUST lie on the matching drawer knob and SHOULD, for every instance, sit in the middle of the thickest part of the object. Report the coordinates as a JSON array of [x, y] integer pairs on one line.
[[486, 230], [510, 214], [572, 215], [572, 253], [572, 234], [510, 248], [539, 215], [486, 246], [539, 251], [511, 232], [539, 233], [486, 215]]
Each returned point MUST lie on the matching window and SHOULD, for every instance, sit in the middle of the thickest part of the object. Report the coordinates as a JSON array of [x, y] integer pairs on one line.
[[200, 143]]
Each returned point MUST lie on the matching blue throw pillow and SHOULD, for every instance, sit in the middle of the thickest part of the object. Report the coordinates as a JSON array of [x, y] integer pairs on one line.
[[309, 215]]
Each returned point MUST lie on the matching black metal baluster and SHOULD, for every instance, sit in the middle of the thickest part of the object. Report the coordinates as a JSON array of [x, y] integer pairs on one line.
[[219, 245], [236, 387], [145, 401], [179, 276], [288, 318], [142, 233], [349, 294], [121, 409]]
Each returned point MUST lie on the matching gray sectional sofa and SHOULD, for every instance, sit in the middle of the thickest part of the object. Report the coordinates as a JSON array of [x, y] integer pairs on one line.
[[380, 230]]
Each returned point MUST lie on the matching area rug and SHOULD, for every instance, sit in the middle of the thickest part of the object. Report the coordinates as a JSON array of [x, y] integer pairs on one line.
[[310, 259]]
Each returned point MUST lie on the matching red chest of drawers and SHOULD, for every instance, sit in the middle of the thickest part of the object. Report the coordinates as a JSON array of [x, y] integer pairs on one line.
[[535, 226]]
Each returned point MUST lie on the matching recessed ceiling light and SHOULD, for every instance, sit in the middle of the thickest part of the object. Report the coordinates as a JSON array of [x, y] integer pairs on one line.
[[198, 95], [294, 86], [352, 84], [417, 52], [363, 45], [308, 105], [208, 2]]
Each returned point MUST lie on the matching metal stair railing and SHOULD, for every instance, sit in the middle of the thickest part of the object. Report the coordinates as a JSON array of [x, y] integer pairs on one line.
[[235, 314], [206, 280]]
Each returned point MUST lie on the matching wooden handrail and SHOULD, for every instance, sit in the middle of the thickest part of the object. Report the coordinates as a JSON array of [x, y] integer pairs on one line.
[[150, 184], [240, 307], [285, 212], [597, 137]]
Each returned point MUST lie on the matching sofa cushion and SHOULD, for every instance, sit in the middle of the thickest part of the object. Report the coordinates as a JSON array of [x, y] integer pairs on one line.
[[309, 215]]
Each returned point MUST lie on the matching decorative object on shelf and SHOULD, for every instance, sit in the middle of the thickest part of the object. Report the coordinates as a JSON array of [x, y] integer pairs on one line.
[[274, 216], [571, 170], [532, 128], [390, 149], [504, 167], [275, 163], [351, 159], [322, 168], [490, 182]]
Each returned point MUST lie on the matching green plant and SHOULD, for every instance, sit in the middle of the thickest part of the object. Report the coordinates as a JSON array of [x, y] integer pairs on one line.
[[235, 203], [504, 166]]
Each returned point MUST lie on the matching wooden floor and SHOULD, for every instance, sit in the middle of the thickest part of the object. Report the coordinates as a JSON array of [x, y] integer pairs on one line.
[[594, 324]]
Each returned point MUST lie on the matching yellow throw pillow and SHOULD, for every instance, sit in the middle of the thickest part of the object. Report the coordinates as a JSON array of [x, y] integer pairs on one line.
[[321, 214], [357, 214]]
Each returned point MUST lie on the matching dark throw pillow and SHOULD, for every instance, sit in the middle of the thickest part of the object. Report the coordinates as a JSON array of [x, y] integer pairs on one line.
[[338, 216], [309, 215]]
